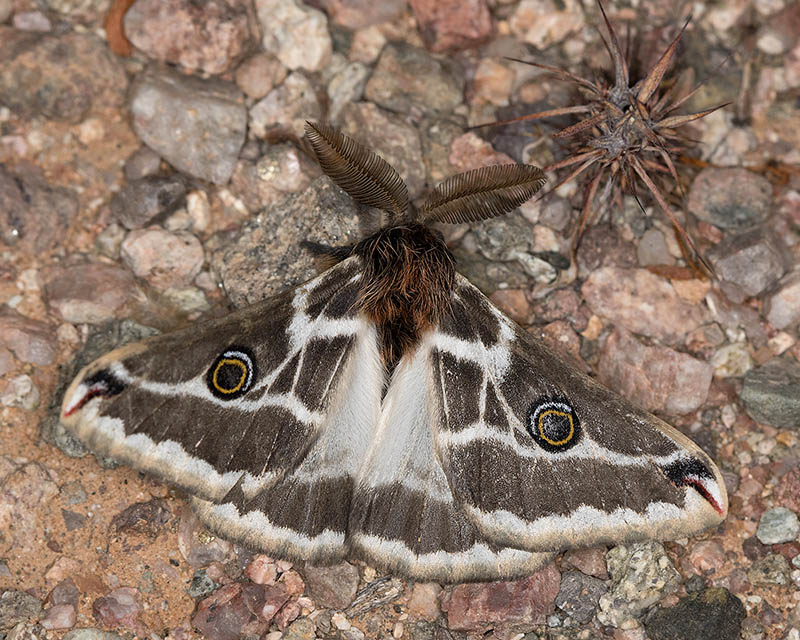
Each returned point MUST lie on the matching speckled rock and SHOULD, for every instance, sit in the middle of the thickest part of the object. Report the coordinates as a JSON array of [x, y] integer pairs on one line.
[[730, 198], [22, 392], [517, 606], [265, 255], [424, 601], [257, 75], [197, 125], [772, 569], [34, 215], [356, 14], [447, 25], [164, 258], [295, 32], [286, 108], [713, 613], [771, 393], [119, 608], [579, 595], [210, 37], [782, 308], [301, 629], [407, 78], [544, 22], [642, 303], [749, 262], [642, 575], [280, 171], [778, 525], [148, 200], [332, 587], [62, 77], [787, 492], [22, 490], [390, 137], [29, 340], [17, 606], [654, 378], [92, 634]]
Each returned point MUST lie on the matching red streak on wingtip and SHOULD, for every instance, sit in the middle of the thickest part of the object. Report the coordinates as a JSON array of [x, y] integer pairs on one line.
[[91, 393], [701, 489]]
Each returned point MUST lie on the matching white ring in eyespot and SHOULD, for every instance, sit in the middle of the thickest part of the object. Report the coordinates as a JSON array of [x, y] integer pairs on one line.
[[241, 355], [536, 414]]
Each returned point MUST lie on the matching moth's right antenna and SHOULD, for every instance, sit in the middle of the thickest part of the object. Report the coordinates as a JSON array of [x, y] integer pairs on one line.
[[482, 193], [364, 175]]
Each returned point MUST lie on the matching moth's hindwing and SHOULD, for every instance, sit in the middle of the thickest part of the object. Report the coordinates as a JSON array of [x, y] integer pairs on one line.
[[233, 408], [404, 516], [541, 457]]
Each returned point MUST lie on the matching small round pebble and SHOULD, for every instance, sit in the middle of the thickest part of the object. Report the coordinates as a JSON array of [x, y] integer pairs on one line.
[[778, 525]]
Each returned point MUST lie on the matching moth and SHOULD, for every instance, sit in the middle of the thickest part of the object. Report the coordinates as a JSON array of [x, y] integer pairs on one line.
[[386, 411]]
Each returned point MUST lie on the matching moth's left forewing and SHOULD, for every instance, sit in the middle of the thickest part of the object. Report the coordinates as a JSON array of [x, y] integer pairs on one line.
[[237, 401], [542, 457]]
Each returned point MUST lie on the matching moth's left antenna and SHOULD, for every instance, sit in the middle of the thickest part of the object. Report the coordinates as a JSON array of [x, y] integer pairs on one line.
[[364, 175]]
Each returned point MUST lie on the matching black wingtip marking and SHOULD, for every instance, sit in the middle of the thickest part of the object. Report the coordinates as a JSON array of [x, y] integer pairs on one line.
[[102, 383], [691, 472]]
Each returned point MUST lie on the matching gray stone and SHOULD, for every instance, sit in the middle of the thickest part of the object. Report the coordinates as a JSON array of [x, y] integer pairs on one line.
[[652, 249], [730, 198], [265, 256], [579, 595], [197, 125], [296, 33], [712, 614], [407, 79], [286, 108], [346, 86], [391, 138], [751, 262], [18, 606], [655, 378], [62, 77], [778, 525], [782, 309], [331, 587], [141, 163], [772, 569], [771, 393], [643, 303], [642, 575], [148, 200], [34, 215]]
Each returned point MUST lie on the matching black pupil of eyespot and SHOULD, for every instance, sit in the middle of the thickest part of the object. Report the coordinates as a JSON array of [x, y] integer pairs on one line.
[[555, 425], [229, 375]]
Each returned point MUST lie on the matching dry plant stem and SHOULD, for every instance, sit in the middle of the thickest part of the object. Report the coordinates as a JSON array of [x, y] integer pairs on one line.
[[625, 131]]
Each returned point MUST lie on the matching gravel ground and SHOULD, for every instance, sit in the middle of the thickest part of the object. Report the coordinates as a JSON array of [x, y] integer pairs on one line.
[[151, 175]]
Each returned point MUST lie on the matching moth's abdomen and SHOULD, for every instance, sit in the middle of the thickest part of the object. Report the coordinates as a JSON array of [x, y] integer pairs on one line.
[[407, 285]]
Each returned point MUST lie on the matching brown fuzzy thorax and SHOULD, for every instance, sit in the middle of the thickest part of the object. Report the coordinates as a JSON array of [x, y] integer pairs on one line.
[[408, 279]]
